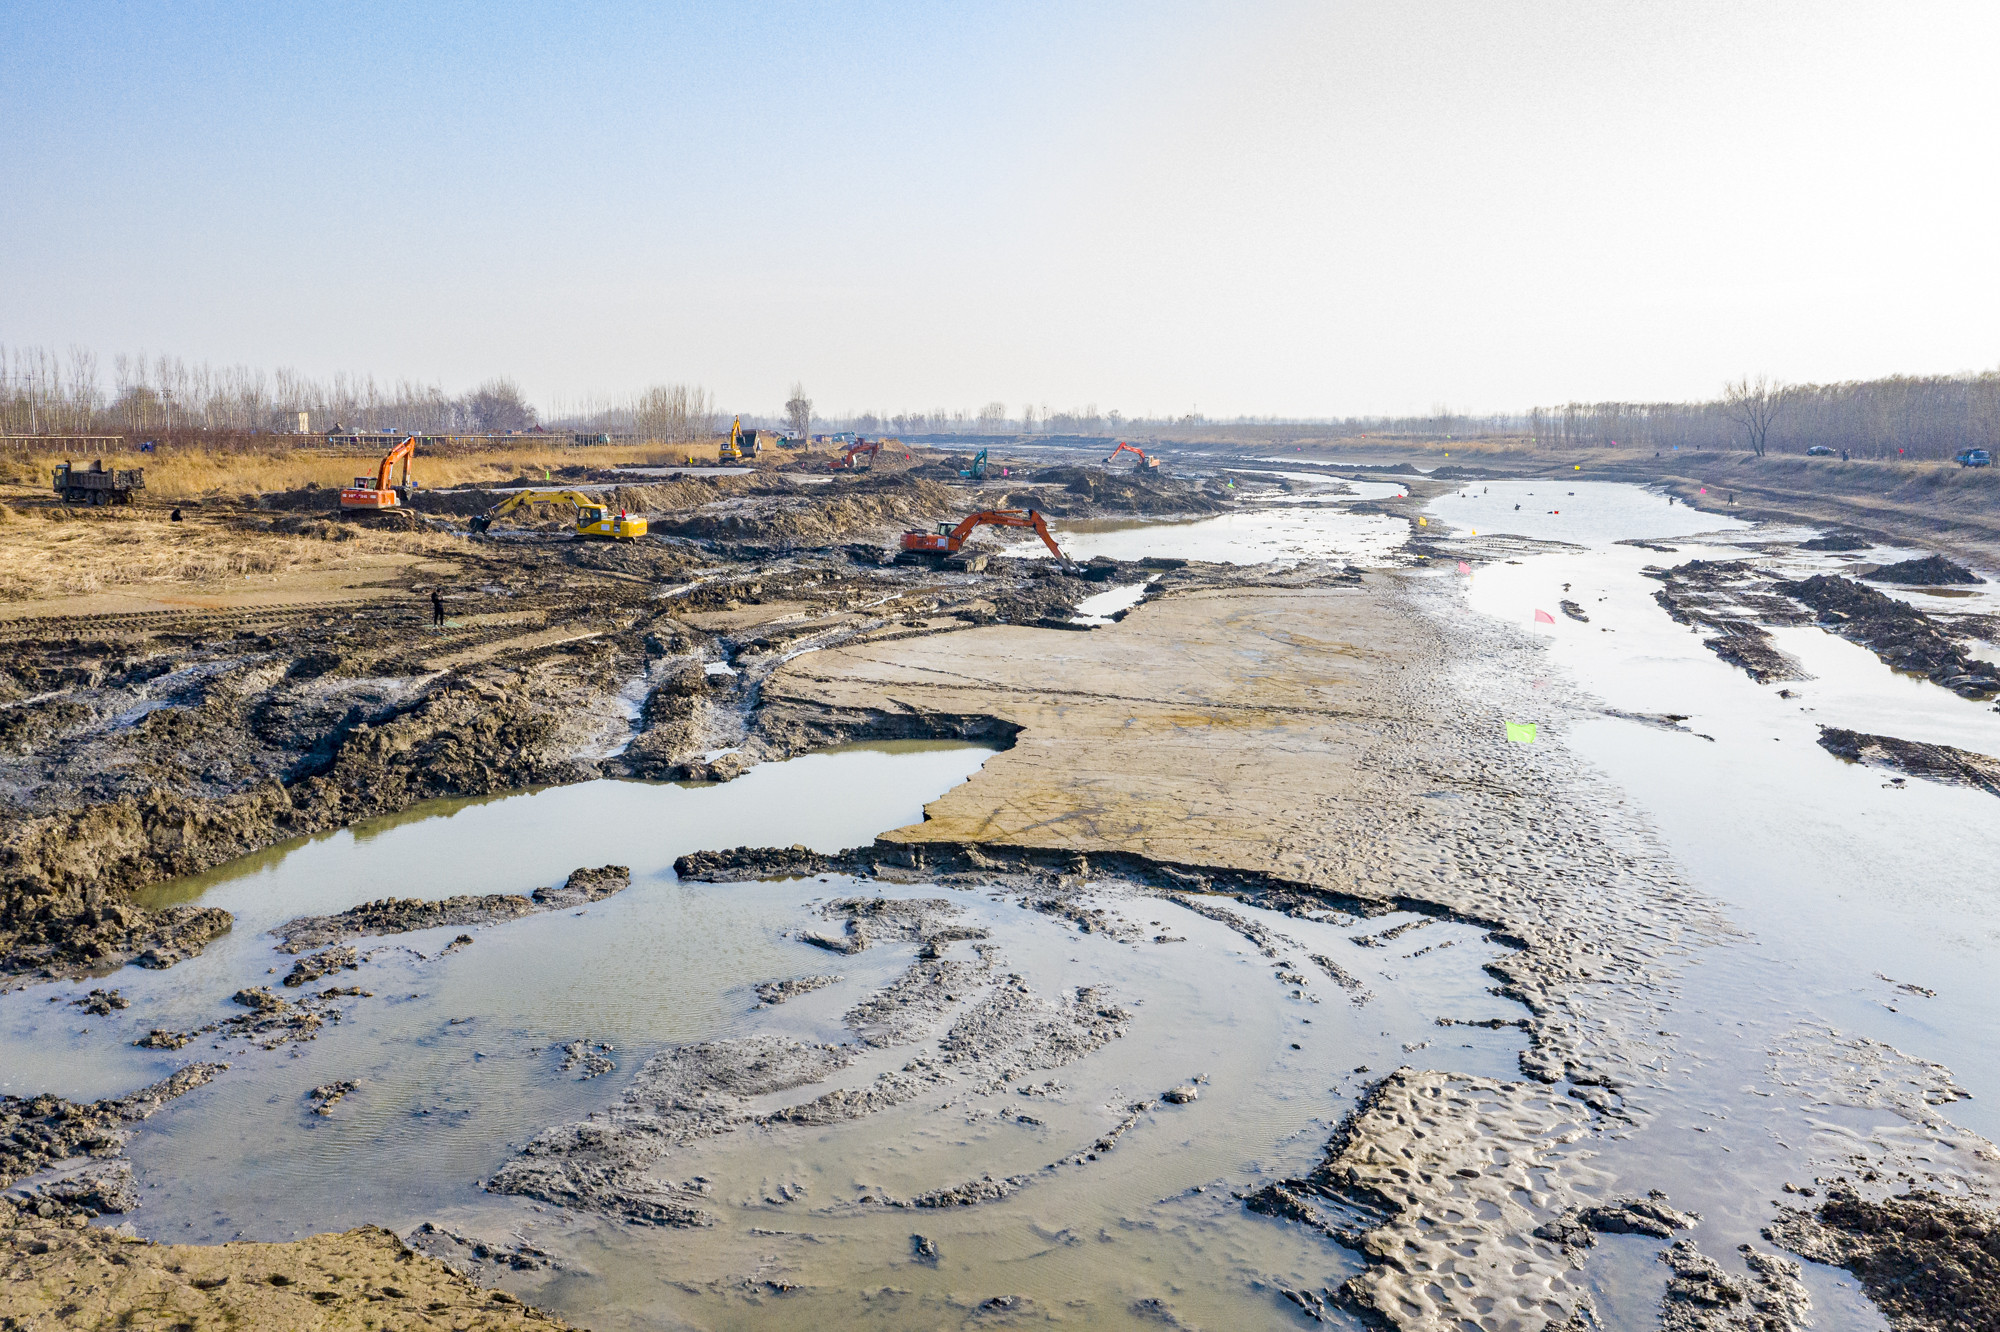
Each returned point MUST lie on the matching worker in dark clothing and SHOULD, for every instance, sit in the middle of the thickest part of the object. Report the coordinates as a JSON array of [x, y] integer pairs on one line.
[[437, 608], [174, 517]]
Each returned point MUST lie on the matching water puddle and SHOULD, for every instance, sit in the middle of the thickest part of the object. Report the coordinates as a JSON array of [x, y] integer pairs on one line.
[[1101, 607]]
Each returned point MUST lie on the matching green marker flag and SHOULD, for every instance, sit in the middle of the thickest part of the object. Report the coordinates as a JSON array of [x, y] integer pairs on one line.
[[1521, 731]]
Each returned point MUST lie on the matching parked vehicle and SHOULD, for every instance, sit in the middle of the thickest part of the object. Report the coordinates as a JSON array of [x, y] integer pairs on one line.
[[1819, 451], [97, 484], [1974, 458]]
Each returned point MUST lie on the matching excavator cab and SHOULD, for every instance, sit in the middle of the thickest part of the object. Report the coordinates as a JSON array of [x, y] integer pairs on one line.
[[375, 492]]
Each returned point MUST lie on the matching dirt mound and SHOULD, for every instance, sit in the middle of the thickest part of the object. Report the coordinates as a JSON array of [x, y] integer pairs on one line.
[[392, 915], [1930, 571], [875, 506], [1837, 541], [1135, 491], [1926, 1260]]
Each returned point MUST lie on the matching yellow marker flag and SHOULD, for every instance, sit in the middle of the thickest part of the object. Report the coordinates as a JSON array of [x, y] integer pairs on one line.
[[1579, 467], [1524, 732], [1423, 522]]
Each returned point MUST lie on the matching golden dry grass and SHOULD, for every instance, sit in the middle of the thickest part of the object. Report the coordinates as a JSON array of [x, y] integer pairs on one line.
[[40, 559], [192, 474]]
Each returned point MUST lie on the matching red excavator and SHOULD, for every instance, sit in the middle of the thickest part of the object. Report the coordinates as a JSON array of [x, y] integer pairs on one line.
[[860, 448], [946, 544], [376, 492], [1145, 463]]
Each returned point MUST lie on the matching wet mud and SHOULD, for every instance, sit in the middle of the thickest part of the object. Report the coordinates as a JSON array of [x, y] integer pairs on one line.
[[1929, 1261], [1174, 756], [401, 915], [1936, 763], [41, 1131], [141, 747], [62, 1272]]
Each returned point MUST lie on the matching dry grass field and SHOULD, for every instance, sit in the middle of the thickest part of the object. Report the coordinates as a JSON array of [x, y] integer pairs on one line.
[[185, 474]]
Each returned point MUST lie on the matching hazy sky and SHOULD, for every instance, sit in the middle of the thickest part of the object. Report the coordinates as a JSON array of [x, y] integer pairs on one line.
[[1289, 208]]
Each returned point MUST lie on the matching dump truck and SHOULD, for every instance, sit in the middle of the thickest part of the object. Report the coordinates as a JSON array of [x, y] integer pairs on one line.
[[98, 484]]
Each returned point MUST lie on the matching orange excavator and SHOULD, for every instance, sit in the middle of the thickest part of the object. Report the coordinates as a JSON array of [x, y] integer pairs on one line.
[[859, 449], [946, 545], [1145, 463], [375, 492]]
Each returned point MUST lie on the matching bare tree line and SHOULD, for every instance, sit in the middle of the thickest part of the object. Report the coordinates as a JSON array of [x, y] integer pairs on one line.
[[1924, 417], [42, 392]]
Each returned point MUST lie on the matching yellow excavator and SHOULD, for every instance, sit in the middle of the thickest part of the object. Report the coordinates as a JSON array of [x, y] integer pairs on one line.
[[594, 518], [742, 444]]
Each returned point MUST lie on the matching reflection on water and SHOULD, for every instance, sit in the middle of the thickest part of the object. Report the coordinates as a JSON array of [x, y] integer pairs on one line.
[[496, 844], [1257, 536], [1099, 608], [1578, 512]]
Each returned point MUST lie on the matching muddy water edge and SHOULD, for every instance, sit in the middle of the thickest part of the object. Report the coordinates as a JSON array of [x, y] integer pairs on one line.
[[1162, 886]]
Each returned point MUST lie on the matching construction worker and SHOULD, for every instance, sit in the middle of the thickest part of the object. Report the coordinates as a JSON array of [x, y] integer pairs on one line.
[[437, 608]]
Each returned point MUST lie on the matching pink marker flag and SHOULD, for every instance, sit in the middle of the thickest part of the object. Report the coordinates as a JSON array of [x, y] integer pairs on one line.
[[1463, 567], [1543, 617]]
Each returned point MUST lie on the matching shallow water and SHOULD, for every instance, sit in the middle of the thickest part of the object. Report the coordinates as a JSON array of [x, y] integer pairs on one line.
[[1594, 513], [1254, 536], [1100, 607], [510, 844], [457, 1060], [1851, 889]]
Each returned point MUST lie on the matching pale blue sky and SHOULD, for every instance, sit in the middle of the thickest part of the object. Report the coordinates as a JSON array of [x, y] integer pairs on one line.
[[1258, 207]]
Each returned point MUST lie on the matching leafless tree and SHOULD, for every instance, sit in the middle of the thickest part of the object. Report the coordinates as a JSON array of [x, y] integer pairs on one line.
[[1754, 405], [799, 411], [992, 417]]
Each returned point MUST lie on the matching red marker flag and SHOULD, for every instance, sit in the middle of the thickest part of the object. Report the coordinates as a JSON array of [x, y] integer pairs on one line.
[[1543, 617], [1463, 567]]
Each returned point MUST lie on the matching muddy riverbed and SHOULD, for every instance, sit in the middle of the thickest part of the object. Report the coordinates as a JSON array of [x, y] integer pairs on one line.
[[1214, 960]]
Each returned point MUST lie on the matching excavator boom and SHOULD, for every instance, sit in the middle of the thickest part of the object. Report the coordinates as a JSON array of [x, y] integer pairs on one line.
[[380, 494], [945, 541], [593, 515]]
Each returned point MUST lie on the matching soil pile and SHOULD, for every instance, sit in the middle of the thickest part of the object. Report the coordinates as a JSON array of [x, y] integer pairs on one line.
[[1837, 541], [1103, 490], [1930, 571], [819, 516], [1927, 1261]]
